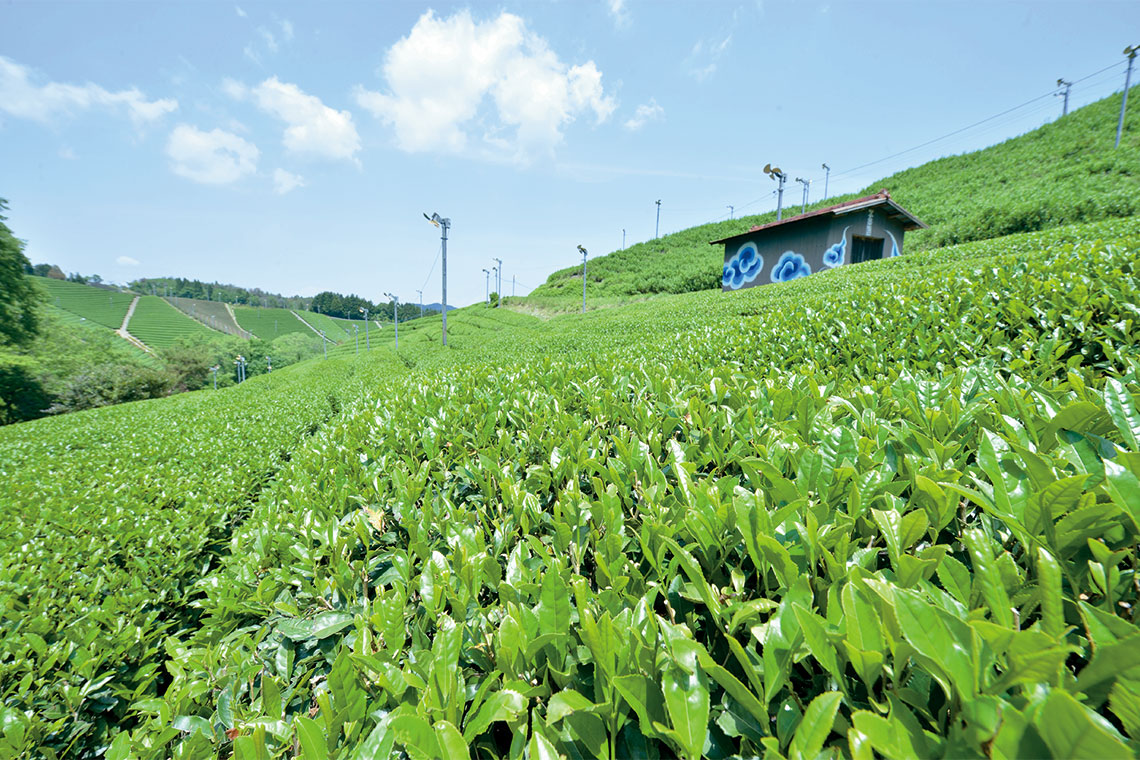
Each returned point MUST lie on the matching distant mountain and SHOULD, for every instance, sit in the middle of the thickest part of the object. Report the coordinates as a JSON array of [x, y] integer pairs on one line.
[[437, 306]]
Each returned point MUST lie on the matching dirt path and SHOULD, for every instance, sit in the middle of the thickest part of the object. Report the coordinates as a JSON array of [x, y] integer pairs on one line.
[[122, 331]]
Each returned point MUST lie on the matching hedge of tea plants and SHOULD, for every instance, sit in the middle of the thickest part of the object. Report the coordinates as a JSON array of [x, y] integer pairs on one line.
[[891, 511]]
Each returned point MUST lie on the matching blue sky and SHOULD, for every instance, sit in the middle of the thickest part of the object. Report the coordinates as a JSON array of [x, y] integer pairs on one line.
[[294, 146]]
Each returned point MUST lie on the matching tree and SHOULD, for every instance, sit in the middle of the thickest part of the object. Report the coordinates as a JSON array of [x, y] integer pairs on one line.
[[19, 297]]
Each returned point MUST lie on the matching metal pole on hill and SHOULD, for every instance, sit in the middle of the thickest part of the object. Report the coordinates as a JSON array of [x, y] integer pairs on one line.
[[487, 286], [806, 183], [367, 343], [421, 302], [731, 209], [776, 174], [657, 227], [443, 224], [215, 369], [1065, 95], [395, 316], [623, 238], [1129, 51], [583, 252], [499, 282], [826, 177]]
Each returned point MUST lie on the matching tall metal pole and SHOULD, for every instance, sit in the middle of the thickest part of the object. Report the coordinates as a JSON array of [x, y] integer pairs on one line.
[[583, 250], [487, 286], [395, 317], [1129, 51], [1065, 95], [731, 209], [421, 302], [806, 183], [826, 177], [623, 238], [499, 283], [367, 343], [657, 227], [444, 223]]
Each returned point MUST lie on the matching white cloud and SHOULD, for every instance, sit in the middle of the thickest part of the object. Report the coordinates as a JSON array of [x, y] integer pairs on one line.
[[645, 113], [452, 78], [286, 29], [314, 128], [619, 12], [216, 157], [21, 97], [284, 181], [127, 261], [702, 59], [67, 153], [240, 12]]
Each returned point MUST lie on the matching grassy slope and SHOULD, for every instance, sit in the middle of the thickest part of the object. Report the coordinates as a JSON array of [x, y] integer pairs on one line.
[[1062, 173], [268, 324], [104, 307], [158, 324], [213, 314]]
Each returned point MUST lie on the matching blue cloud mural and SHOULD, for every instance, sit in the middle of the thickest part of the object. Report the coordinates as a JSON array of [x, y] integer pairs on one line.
[[894, 244], [743, 268], [790, 266], [836, 255]]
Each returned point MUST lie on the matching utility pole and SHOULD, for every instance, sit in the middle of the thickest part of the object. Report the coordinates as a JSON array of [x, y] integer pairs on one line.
[[776, 174], [806, 183], [826, 177], [1065, 95], [396, 316], [444, 225], [367, 343], [495, 274], [487, 286], [583, 252], [623, 238], [421, 303], [657, 228], [1129, 51], [512, 286], [499, 284], [731, 209]]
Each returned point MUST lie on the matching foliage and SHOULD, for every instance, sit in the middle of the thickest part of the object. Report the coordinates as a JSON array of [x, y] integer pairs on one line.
[[159, 325], [23, 395], [103, 306], [107, 384], [1059, 174], [19, 297], [889, 509], [180, 287]]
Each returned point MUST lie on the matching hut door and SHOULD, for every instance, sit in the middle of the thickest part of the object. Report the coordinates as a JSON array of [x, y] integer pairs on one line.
[[865, 249]]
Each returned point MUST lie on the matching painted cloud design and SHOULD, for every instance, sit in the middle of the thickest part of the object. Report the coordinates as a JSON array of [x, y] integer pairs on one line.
[[836, 255], [790, 266], [894, 244], [743, 268]]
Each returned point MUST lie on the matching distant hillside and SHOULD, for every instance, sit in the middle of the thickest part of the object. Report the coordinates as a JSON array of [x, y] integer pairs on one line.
[[1064, 172]]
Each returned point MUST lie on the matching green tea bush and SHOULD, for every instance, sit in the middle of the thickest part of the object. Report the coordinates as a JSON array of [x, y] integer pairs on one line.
[[888, 511]]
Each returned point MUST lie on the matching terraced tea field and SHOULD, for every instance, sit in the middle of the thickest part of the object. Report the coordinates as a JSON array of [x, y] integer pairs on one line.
[[213, 314], [268, 324], [102, 306], [890, 510], [158, 324]]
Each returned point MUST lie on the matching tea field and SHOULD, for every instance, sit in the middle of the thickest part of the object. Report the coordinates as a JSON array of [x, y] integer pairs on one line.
[[159, 325], [269, 323], [890, 510], [100, 305]]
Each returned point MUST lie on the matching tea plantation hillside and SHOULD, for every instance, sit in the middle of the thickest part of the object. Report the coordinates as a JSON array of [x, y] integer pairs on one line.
[[159, 325], [99, 305], [891, 510], [1064, 172]]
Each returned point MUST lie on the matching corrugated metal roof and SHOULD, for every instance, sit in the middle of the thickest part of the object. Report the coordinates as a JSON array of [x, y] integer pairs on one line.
[[881, 198]]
